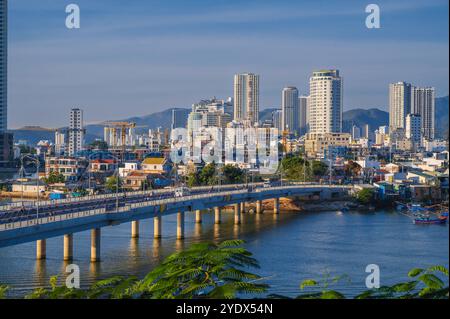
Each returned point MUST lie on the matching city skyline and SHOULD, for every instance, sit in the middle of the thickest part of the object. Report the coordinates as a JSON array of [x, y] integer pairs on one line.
[[176, 61]]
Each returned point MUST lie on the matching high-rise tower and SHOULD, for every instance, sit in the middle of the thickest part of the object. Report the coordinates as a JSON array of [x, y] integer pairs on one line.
[[246, 97], [290, 109], [325, 102]]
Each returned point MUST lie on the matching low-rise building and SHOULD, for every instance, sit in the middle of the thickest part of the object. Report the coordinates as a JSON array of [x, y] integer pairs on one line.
[[70, 167], [103, 165], [129, 167], [317, 143], [28, 186], [156, 165]]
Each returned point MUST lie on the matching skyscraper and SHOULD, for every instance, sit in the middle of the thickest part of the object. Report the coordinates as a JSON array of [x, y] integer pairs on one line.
[[6, 138], [399, 105], [423, 104], [303, 114], [246, 97], [277, 120], [76, 132], [325, 102], [290, 109], [179, 118], [3, 65]]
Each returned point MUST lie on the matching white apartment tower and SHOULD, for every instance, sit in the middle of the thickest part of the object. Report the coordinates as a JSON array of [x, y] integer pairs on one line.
[[246, 97], [303, 114], [60, 143], [290, 109], [413, 130], [325, 102], [76, 132], [399, 104], [423, 103]]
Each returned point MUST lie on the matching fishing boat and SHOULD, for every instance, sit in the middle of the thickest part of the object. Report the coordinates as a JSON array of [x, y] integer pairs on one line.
[[440, 219]]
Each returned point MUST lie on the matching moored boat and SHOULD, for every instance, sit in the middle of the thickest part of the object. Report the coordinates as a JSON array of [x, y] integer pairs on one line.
[[430, 219]]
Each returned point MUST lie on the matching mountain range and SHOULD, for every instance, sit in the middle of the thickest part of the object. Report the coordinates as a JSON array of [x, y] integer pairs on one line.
[[358, 116]]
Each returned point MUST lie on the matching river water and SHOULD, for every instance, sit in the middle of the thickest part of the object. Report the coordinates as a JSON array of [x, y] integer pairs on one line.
[[290, 247]]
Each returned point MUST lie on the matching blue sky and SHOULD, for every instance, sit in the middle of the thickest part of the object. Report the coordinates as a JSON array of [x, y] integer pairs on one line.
[[146, 56]]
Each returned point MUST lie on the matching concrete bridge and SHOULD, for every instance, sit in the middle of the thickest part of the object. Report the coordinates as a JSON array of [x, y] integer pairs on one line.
[[46, 219]]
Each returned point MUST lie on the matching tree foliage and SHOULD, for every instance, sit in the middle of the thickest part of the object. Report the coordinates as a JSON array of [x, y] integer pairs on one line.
[[296, 168], [365, 196], [112, 182], [232, 174], [205, 270], [54, 178]]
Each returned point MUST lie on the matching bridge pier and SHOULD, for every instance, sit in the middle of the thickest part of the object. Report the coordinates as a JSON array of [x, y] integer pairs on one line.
[[259, 206], [198, 216], [68, 247], [237, 214], [95, 244], [41, 249], [217, 216], [180, 225], [135, 229], [276, 206], [157, 226], [242, 208]]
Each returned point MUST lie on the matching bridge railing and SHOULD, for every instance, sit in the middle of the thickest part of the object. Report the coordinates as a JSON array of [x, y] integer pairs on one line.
[[50, 219], [33, 204]]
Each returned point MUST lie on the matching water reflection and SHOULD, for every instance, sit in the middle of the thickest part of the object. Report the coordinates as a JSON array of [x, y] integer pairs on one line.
[[156, 248], [41, 272], [134, 248], [197, 229]]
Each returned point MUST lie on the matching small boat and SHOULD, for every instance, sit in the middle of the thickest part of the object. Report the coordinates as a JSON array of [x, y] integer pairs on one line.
[[430, 219]]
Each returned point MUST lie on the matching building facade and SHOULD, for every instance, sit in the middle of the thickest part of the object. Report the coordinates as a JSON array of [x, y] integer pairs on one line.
[[76, 132], [303, 102], [290, 109], [6, 138], [317, 144], [325, 102], [179, 118], [413, 130], [277, 120], [246, 97], [399, 104], [423, 104], [3, 65]]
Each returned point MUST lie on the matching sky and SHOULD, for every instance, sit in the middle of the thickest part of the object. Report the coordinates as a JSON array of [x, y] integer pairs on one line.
[[142, 56]]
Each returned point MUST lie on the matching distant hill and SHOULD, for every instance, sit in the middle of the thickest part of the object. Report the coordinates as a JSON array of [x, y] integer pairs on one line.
[[152, 121], [374, 117], [359, 117]]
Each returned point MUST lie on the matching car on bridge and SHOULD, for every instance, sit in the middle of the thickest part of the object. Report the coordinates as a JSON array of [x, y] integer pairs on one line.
[[182, 191]]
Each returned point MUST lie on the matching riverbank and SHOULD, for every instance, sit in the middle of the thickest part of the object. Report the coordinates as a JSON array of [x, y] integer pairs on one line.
[[297, 205]]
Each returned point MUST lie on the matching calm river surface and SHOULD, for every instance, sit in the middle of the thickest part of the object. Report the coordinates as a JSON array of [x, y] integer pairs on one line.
[[290, 248]]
